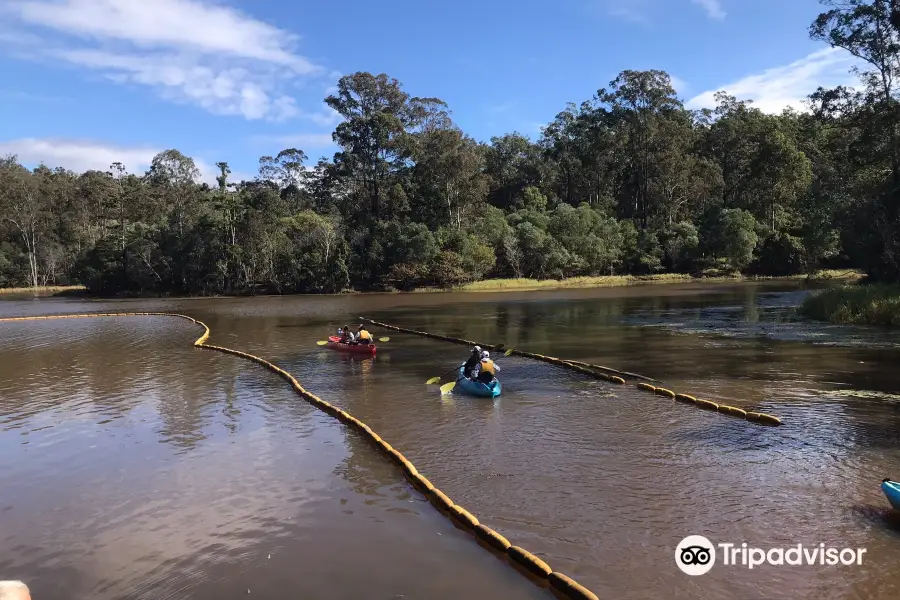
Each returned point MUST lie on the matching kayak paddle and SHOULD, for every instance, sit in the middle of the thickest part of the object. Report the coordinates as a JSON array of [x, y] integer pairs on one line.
[[434, 380], [384, 339], [448, 387]]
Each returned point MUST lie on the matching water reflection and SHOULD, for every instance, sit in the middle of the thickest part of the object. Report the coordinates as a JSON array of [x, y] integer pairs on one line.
[[155, 470], [600, 480]]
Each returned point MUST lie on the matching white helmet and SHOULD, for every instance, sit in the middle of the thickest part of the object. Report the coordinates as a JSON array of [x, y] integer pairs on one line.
[[485, 354], [476, 349]]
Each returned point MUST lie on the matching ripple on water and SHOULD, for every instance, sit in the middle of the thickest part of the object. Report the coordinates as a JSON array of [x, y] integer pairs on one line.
[[142, 468], [602, 481]]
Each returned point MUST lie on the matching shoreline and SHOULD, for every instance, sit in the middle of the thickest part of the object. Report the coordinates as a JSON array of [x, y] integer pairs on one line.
[[483, 286], [601, 281], [44, 289]]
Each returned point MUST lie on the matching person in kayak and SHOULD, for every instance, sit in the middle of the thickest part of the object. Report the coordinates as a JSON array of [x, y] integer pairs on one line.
[[363, 336], [487, 370], [346, 335], [472, 362]]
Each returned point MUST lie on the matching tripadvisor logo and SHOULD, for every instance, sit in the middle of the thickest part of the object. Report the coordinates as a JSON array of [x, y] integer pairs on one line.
[[696, 555]]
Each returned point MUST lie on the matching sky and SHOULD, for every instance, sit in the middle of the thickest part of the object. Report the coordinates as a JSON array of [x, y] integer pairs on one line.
[[84, 83]]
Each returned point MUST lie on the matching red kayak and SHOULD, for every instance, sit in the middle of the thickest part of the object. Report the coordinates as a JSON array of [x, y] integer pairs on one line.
[[334, 342]]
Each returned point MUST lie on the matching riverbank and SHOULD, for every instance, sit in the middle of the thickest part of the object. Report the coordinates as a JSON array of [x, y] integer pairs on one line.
[[525, 285], [503, 285], [868, 304], [44, 290]]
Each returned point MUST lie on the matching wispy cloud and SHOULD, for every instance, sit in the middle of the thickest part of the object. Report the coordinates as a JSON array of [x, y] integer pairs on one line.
[[502, 108], [85, 155], [302, 141], [778, 88], [192, 51], [681, 86], [20, 96], [326, 117], [641, 11], [713, 8], [635, 11]]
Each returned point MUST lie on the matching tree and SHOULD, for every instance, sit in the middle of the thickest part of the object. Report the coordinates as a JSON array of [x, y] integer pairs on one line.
[[25, 206], [176, 175], [645, 110], [864, 29], [373, 135], [449, 172]]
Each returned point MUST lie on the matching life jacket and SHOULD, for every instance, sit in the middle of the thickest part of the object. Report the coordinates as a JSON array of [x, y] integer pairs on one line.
[[487, 366], [365, 335]]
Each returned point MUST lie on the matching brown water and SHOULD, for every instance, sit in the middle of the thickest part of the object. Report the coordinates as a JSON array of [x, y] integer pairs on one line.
[[135, 466]]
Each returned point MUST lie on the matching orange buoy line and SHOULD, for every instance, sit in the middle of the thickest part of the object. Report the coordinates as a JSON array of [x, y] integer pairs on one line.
[[596, 371], [536, 568]]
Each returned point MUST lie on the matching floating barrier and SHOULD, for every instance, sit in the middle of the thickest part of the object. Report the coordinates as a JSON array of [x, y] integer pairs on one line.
[[529, 561], [567, 588], [492, 538], [596, 371], [601, 372]]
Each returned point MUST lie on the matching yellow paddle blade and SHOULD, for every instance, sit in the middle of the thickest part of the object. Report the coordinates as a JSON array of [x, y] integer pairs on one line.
[[509, 352], [432, 381], [448, 387], [384, 339], [321, 342]]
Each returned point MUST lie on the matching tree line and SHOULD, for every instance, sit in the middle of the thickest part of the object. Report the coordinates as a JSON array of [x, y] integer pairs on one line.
[[627, 182]]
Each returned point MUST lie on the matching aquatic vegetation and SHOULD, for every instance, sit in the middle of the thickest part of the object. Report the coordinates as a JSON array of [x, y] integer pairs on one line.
[[869, 304]]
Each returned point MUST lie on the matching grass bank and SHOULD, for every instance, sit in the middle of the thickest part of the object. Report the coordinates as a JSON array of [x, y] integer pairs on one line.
[[43, 290], [502, 285], [520, 285], [864, 304]]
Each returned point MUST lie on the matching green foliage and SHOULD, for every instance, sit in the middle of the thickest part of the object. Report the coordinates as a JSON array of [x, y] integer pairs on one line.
[[737, 237], [781, 254], [629, 182], [680, 244]]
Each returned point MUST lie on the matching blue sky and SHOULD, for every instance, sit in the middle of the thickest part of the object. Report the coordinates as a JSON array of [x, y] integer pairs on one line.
[[86, 82]]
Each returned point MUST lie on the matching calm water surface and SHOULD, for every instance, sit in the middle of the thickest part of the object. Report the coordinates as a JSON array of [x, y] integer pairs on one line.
[[135, 466]]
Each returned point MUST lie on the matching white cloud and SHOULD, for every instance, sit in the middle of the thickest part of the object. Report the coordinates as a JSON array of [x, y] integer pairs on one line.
[[502, 108], [77, 155], [641, 11], [713, 8], [327, 117], [778, 88], [303, 141], [85, 155], [679, 84], [635, 11], [191, 51], [22, 96]]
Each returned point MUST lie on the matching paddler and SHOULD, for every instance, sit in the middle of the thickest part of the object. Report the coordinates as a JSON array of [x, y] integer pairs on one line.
[[363, 336], [487, 370], [472, 362], [346, 335]]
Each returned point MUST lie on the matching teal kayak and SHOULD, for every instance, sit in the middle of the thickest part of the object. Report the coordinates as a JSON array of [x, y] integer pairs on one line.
[[891, 489], [476, 388]]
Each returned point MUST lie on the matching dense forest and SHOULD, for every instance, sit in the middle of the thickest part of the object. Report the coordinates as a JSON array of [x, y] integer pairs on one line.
[[628, 182]]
